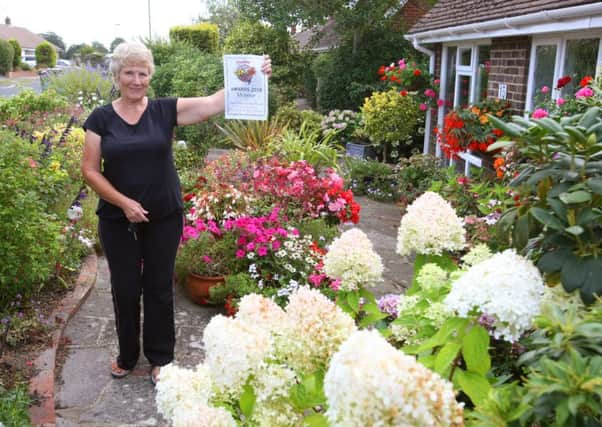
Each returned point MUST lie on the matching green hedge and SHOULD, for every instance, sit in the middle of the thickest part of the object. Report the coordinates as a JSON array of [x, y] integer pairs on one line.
[[16, 53], [45, 55], [204, 36], [6, 57]]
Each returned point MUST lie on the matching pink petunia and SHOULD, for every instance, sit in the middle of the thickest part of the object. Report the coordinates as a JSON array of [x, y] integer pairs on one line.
[[440, 102], [276, 245], [335, 285], [584, 92], [316, 279], [423, 107], [560, 101], [240, 253], [545, 89], [262, 251], [539, 113], [430, 93]]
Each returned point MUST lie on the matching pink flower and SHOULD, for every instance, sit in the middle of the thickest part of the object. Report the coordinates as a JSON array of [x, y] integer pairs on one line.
[[262, 251], [545, 89], [560, 101], [276, 245], [437, 81], [423, 107], [539, 113], [240, 253], [440, 102], [316, 279], [402, 64], [430, 93], [584, 92], [335, 285], [189, 233], [207, 259]]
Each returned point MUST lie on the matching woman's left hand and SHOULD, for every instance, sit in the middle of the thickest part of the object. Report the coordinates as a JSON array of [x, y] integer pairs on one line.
[[266, 67]]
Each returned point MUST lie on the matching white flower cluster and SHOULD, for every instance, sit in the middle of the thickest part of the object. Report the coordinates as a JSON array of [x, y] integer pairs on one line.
[[477, 254], [203, 416], [506, 287], [261, 312], [430, 227], [352, 259], [370, 383], [312, 331], [234, 350], [273, 406], [431, 277]]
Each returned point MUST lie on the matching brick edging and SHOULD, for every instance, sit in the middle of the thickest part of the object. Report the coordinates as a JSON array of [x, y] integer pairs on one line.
[[42, 385]]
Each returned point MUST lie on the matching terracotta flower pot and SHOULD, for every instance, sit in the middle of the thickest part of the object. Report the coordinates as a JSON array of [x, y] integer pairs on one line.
[[198, 287]]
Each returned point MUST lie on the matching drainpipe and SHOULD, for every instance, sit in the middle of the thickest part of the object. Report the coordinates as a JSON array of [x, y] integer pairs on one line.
[[427, 120]]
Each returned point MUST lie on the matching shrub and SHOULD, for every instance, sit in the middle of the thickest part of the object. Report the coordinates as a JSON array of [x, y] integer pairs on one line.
[[27, 103], [29, 245], [14, 405], [415, 175], [294, 118], [45, 55], [6, 57], [390, 118], [342, 123], [16, 52], [25, 66], [204, 36], [371, 178], [87, 89]]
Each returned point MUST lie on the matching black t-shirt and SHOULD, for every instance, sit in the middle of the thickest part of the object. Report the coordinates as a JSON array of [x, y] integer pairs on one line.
[[138, 159]]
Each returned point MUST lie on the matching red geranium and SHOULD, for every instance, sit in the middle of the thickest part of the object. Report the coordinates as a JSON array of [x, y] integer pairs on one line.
[[563, 81], [585, 81]]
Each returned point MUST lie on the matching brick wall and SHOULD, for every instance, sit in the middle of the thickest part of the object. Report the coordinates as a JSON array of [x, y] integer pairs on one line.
[[510, 66]]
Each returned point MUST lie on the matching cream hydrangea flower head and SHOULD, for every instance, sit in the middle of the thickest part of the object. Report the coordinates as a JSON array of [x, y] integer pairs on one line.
[[370, 383], [506, 286], [234, 350], [430, 227], [203, 416], [352, 259], [312, 330], [260, 311]]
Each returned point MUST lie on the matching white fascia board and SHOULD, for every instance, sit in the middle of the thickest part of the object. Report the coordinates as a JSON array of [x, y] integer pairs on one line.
[[584, 17]]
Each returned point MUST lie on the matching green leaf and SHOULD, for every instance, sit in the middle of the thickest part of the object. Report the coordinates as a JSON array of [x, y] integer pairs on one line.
[[510, 129], [573, 274], [575, 230], [371, 319], [353, 299], [547, 219], [587, 216], [592, 284], [500, 144], [552, 261], [474, 385], [446, 356], [454, 324], [575, 197], [550, 125], [590, 117], [315, 420], [595, 184], [475, 350], [520, 234], [247, 400]]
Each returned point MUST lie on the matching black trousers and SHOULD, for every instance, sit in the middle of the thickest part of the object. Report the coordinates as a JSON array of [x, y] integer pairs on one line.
[[141, 260]]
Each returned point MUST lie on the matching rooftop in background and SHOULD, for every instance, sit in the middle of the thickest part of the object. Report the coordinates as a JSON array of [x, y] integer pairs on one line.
[[26, 38], [452, 13]]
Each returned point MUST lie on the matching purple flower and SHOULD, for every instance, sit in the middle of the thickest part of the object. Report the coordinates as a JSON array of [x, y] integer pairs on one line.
[[486, 321], [388, 304]]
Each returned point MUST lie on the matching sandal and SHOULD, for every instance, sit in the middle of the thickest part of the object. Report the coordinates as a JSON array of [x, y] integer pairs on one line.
[[154, 374], [118, 372]]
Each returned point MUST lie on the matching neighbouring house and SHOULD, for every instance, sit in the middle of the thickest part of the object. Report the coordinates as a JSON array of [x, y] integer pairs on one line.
[[28, 40], [506, 49]]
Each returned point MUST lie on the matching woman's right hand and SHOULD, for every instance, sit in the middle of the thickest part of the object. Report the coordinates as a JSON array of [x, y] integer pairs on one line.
[[134, 211]]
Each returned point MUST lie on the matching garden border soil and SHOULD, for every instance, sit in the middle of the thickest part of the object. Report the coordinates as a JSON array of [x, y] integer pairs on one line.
[[42, 413]]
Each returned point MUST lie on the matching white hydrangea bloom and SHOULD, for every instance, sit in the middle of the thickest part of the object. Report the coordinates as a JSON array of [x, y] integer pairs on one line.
[[431, 277], [351, 258], [234, 350], [203, 416], [262, 312], [477, 254], [507, 287], [180, 388], [273, 407], [430, 227], [370, 383], [312, 330]]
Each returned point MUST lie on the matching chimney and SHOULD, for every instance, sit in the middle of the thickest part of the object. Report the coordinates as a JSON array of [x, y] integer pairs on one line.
[[7, 20]]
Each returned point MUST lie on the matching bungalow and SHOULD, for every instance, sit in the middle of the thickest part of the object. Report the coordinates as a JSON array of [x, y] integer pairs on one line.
[[506, 49], [28, 40]]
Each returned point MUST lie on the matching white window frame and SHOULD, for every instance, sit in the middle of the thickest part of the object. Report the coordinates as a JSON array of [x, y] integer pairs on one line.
[[560, 40], [461, 71]]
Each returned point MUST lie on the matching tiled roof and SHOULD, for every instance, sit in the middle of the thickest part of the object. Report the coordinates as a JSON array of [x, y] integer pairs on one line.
[[26, 38], [452, 13]]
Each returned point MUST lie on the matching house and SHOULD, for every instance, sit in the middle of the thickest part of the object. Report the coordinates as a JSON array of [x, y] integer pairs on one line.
[[28, 40], [507, 49]]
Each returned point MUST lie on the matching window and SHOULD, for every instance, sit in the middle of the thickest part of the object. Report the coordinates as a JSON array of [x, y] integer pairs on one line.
[[482, 73], [553, 58]]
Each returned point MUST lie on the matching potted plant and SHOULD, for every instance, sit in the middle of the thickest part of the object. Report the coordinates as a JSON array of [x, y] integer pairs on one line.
[[204, 260]]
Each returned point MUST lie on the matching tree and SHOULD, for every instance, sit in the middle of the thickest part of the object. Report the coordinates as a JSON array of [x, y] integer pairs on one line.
[[225, 14], [45, 55], [116, 42], [54, 39], [353, 18], [99, 47], [16, 52]]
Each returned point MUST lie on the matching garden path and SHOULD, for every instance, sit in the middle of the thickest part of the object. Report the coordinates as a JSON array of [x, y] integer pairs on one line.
[[85, 393]]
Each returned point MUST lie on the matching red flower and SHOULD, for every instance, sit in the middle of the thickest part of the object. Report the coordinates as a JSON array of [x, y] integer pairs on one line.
[[404, 93], [381, 70], [498, 132], [417, 72], [563, 81], [383, 78], [585, 81], [188, 197]]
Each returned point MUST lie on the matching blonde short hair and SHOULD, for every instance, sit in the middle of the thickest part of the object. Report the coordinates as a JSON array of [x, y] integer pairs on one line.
[[130, 54]]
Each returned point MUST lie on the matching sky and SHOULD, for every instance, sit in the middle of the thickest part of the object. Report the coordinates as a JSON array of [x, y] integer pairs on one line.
[[85, 21]]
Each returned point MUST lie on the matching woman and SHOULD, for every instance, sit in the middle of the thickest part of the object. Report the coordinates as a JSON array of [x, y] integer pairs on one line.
[[128, 161]]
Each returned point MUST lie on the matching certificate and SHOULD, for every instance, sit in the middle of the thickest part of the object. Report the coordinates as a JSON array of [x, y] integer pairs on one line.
[[245, 87]]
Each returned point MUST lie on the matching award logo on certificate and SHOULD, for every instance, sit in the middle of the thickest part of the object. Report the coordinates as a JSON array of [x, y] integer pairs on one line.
[[246, 87]]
